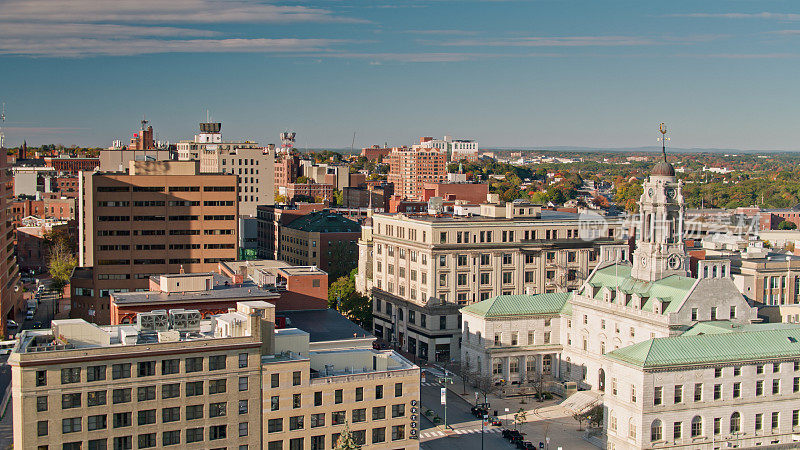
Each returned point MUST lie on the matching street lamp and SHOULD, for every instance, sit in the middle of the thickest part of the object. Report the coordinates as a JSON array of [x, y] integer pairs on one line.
[[442, 381]]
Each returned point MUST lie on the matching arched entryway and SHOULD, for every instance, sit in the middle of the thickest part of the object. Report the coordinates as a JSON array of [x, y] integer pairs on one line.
[[601, 382]]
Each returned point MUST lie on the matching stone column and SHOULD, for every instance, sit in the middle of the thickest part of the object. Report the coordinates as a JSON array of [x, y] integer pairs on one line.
[[506, 368], [523, 368]]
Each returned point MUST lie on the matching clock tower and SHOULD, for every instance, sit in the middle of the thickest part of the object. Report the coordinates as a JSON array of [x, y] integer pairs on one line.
[[659, 244]]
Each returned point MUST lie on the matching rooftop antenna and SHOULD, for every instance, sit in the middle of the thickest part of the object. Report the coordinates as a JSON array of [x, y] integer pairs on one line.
[[663, 129], [144, 122], [353, 144], [2, 124]]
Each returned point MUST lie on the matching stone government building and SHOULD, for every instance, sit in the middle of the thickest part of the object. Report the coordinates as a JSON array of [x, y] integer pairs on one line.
[[677, 361]]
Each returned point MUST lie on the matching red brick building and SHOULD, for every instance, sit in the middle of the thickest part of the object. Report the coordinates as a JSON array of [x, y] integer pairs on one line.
[[398, 204], [471, 192], [71, 164], [410, 169], [376, 152], [46, 208], [323, 239], [287, 169], [323, 192]]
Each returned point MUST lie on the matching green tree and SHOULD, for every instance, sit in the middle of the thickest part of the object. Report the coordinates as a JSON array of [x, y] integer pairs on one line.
[[338, 197], [520, 417], [786, 225], [346, 441], [343, 297], [61, 264], [342, 260]]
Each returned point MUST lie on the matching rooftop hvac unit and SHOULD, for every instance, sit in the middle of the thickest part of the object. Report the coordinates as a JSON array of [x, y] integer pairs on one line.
[[184, 319], [157, 320]]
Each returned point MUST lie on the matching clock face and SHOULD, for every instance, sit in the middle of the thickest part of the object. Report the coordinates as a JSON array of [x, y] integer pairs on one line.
[[651, 192], [671, 193], [674, 262], [644, 261]]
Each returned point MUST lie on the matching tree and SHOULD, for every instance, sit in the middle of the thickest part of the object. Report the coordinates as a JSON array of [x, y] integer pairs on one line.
[[520, 417], [463, 370], [786, 225], [343, 297], [346, 441], [342, 260], [62, 259], [580, 418], [338, 197], [484, 384]]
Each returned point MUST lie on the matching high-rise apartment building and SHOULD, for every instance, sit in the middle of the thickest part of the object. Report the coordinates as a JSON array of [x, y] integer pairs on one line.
[[162, 217], [231, 381], [255, 168], [411, 168], [420, 269]]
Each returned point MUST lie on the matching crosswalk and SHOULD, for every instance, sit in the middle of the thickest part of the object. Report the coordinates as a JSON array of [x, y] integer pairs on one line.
[[438, 433], [431, 384]]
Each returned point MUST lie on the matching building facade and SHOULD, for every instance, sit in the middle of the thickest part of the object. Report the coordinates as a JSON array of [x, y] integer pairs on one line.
[[161, 218], [323, 239], [10, 286], [411, 168], [253, 165]]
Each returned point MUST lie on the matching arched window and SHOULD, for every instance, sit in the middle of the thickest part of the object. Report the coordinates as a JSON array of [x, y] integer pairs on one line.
[[736, 422], [656, 431], [631, 429], [705, 272], [714, 272], [697, 426], [722, 271]]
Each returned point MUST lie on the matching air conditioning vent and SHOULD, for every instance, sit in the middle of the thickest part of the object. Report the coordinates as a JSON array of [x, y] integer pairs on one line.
[[184, 319], [157, 320]]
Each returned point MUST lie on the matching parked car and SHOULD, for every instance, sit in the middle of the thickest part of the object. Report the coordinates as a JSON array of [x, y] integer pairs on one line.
[[11, 324], [497, 422], [38, 325]]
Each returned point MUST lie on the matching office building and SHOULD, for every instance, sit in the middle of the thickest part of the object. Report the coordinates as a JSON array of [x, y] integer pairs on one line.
[[272, 218], [425, 267], [174, 379], [323, 239], [10, 286], [160, 218]]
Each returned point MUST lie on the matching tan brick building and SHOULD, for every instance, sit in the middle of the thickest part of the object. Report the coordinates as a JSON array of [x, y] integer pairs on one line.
[[10, 286], [231, 381], [161, 217], [411, 168]]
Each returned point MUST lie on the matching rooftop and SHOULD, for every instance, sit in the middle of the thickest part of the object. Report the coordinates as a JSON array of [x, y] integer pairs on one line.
[[711, 348], [324, 222], [725, 326], [672, 289], [222, 289], [324, 325], [520, 305], [547, 215]]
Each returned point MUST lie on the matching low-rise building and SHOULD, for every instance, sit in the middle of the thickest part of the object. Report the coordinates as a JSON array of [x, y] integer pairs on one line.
[[232, 380], [323, 239], [272, 218]]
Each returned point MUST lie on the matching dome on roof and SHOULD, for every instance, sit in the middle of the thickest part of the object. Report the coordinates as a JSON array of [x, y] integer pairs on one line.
[[663, 169]]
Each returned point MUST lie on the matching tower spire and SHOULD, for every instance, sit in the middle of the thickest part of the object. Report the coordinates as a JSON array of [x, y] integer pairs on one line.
[[663, 129]]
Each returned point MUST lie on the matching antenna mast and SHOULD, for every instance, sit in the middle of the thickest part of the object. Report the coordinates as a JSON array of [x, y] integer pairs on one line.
[[2, 124]]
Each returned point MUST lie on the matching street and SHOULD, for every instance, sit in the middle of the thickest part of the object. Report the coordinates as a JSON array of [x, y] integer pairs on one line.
[[546, 419]]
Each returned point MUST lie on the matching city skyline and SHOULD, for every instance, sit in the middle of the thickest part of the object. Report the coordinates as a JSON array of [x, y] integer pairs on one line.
[[506, 73]]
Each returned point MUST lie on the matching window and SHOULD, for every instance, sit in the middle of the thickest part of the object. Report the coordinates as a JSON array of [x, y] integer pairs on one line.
[[122, 420], [338, 417], [736, 422], [795, 417], [171, 414], [398, 410], [95, 373], [697, 426], [171, 390], [398, 432], [216, 362], [70, 401], [296, 378], [274, 381], [759, 387], [678, 394], [216, 386], [296, 444], [243, 384], [359, 415], [657, 395], [677, 430], [194, 388], [243, 431], [41, 428], [121, 396], [317, 420], [398, 389], [194, 434], [698, 392], [378, 392], [718, 372], [737, 371], [296, 401], [96, 398], [378, 435], [217, 432], [41, 403], [633, 394], [217, 409], [41, 378], [776, 387], [717, 391], [171, 437], [194, 364], [296, 423], [776, 367], [146, 393], [759, 422], [170, 366], [71, 425], [737, 389], [796, 384], [359, 394], [776, 416], [274, 425], [194, 412], [71, 375], [378, 413], [337, 396], [123, 443], [656, 431], [146, 417], [759, 369], [147, 368]]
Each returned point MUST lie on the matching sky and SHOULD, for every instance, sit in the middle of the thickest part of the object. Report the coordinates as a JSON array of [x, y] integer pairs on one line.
[[508, 73]]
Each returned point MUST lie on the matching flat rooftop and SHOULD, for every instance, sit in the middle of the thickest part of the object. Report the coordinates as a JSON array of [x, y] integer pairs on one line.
[[323, 325], [547, 215], [220, 291]]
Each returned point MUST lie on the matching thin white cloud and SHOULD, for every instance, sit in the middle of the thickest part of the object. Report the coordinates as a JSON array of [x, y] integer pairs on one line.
[[162, 11], [443, 32], [82, 47], [744, 55], [733, 15], [554, 41], [786, 32], [85, 30]]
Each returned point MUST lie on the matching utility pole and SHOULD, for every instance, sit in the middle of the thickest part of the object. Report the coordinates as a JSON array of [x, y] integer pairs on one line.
[[483, 419], [442, 381]]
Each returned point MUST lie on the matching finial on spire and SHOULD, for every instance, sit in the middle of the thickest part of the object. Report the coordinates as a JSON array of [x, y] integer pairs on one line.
[[663, 129]]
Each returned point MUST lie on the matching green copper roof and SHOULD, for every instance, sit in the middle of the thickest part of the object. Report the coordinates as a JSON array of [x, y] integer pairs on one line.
[[672, 289], [726, 326], [520, 305], [711, 348], [324, 222]]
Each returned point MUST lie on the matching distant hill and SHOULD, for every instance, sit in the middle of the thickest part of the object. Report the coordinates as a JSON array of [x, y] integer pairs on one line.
[[565, 148]]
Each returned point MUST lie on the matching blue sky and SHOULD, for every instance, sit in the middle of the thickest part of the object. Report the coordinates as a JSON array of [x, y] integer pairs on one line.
[[722, 74]]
